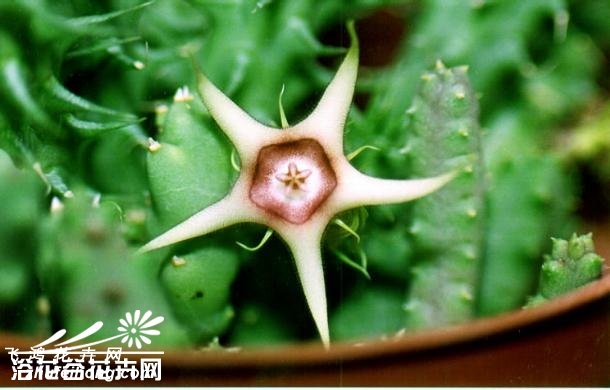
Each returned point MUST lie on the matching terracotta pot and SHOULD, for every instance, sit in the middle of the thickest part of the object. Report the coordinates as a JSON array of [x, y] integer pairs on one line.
[[565, 342]]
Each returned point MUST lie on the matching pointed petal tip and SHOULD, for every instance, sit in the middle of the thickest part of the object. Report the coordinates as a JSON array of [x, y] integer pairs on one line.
[[181, 232], [332, 109], [351, 29], [143, 249], [325, 341], [323, 332], [149, 247], [352, 58], [447, 177], [203, 84], [367, 191], [307, 255], [172, 236], [435, 183]]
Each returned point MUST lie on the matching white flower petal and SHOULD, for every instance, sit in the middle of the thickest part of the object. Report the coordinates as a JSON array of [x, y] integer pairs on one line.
[[305, 247], [228, 211], [362, 190], [245, 133], [136, 317], [129, 318], [145, 339], [328, 118], [145, 317], [153, 322]]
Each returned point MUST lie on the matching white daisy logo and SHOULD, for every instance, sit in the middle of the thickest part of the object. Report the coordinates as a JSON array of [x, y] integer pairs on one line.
[[135, 329]]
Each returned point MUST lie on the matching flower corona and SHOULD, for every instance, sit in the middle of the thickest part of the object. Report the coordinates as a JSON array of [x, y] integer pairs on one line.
[[292, 179]]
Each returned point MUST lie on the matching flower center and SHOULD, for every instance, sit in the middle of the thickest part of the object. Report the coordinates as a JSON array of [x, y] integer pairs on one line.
[[292, 179]]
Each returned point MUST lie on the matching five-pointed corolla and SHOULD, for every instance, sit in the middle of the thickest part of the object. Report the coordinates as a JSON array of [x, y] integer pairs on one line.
[[295, 180]]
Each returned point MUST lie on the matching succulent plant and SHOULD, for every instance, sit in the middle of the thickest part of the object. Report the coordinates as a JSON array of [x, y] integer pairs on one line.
[[96, 109], [295, 180], [83, 249], [571, 264], [447, 226]]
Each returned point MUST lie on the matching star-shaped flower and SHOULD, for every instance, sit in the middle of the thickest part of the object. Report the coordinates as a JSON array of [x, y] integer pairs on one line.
[[295, 180]]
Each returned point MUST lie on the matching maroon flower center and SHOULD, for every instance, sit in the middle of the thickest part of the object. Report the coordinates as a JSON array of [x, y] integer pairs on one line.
[[292, 179]]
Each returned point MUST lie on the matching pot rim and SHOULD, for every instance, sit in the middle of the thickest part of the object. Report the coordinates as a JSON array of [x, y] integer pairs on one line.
[[313, 353]]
